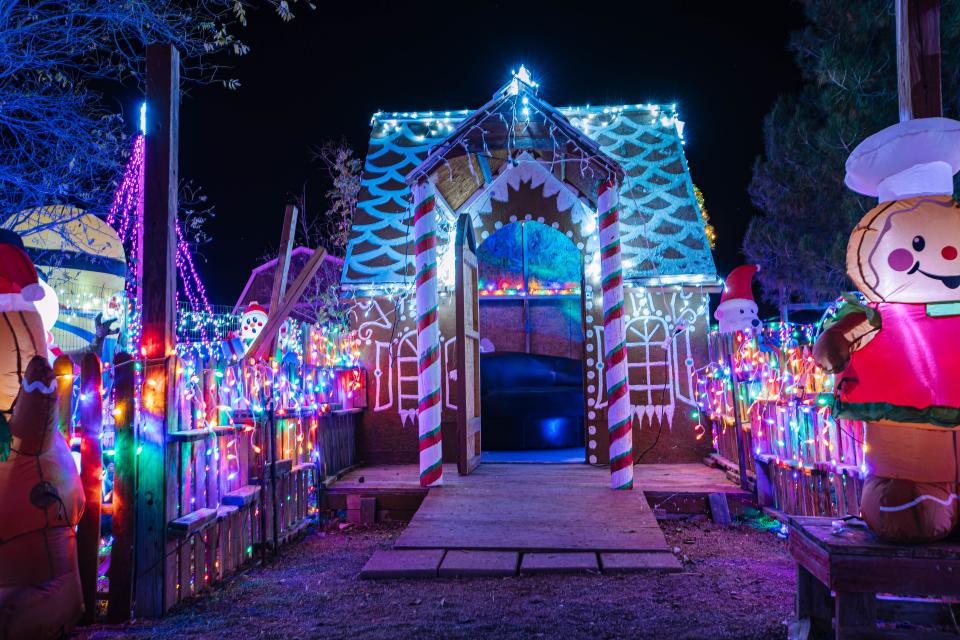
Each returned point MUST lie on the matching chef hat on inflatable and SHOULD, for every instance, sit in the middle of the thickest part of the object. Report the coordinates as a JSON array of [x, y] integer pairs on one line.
[[913, 158], [19, 284]]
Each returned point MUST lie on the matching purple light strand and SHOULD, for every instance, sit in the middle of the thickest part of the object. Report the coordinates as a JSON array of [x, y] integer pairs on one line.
[[192, 287], [126, 216]]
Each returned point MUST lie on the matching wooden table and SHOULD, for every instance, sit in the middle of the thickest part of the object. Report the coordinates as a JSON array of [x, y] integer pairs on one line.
[[855, 566]]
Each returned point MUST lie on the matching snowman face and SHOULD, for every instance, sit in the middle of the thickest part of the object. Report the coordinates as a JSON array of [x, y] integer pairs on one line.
[[251, 324], [907, 251], [737, 315]]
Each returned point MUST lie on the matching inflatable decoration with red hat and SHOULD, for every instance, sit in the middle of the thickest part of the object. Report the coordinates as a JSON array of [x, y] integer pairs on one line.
[[41, 496], [737, 310], [21, 328], [897, 356], [252, 321]]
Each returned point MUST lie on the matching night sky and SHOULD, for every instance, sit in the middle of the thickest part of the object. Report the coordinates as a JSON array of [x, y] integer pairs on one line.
[[321, 77]]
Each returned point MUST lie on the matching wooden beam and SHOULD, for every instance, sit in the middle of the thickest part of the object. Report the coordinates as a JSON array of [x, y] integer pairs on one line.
[[283, 257], [278, 316], [918, 59], [282, 271], [157, 294]]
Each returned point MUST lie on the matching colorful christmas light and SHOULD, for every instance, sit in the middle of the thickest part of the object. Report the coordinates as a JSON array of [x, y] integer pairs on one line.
[[783, 400]]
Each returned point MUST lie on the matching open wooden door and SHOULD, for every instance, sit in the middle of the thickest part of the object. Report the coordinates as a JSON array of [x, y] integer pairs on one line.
[[468, 347]]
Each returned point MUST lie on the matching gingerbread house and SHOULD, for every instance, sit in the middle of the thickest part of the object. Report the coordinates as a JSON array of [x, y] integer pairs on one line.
[[564, 243]]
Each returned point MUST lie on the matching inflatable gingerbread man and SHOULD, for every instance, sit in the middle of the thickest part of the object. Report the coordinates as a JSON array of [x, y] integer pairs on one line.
[[896, 357], [41, 496]]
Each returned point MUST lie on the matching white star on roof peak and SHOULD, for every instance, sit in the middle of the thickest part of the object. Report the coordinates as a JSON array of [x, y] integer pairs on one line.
[[523, 75]]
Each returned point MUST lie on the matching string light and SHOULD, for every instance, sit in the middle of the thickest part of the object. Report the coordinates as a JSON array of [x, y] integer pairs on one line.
[[313, 370], [783, 399]]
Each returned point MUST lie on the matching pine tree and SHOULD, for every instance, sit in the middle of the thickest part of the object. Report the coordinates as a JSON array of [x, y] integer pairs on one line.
[[847, 58]]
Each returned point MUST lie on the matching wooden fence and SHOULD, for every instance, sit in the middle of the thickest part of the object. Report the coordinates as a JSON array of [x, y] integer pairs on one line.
[[243, 463], [765, 398]]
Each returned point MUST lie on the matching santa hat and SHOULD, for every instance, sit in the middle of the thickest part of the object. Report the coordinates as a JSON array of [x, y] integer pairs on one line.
[[19, 284], [909, 159], [739, 285], [254, 307]]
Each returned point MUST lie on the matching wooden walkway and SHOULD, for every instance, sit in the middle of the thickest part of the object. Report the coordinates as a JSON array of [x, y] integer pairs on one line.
[[506, 519], [658, 478], [672, 490], [550, 507]]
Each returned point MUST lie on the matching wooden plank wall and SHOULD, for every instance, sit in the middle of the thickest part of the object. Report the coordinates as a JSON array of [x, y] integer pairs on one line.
[[818, 487], [224, 490], [227, 491]]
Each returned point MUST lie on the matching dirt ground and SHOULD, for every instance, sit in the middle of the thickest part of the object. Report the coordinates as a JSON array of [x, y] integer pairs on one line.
[[737, 582]]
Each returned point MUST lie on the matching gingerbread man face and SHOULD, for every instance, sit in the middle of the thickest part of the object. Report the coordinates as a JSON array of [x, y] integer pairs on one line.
[[908, 251]]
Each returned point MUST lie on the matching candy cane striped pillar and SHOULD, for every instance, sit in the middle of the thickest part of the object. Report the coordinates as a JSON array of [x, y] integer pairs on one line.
[[614, 340], [428, 334]]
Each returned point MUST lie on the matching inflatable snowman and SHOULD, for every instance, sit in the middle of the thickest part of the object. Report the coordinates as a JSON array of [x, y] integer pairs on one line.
[[252, 321], [41, 496], [897, 357], [737, 310]]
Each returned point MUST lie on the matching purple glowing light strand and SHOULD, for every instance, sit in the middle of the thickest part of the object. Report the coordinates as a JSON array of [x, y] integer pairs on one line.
[[126, 200], [192, 286], [126, 216], [184, 249]]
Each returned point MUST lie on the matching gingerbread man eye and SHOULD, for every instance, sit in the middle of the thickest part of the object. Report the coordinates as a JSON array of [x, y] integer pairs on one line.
[[919, 243]]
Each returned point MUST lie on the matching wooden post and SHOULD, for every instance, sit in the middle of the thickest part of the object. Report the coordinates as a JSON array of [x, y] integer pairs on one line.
[[121, 556], [157, 292], [918, 59], [63, 370], [741, 444], [91, 472], [274, 499]]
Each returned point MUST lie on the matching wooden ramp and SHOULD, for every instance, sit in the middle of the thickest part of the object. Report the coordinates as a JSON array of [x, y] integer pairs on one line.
[[531, 507], [530, 519]]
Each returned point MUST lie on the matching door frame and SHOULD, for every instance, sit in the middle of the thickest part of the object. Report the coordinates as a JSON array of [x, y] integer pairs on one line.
[[467, 346]]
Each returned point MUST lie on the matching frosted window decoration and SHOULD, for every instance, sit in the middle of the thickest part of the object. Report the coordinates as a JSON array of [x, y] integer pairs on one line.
[[552, 260]]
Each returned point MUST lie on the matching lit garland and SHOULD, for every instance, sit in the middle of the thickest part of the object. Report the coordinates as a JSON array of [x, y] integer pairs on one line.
[[536, 288], [782, 400], [126, 216]]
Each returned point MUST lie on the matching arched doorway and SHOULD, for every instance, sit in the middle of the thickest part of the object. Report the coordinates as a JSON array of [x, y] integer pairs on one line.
[[531, 364]]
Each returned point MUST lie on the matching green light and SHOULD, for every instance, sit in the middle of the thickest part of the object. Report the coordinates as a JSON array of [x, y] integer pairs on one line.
[[249, 550]]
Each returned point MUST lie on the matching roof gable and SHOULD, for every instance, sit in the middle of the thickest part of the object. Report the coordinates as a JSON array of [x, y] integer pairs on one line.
[[516, 120], [259, 287], [663, 239]]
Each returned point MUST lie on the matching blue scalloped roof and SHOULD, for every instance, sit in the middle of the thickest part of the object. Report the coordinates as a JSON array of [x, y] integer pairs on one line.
[[662, 232]]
